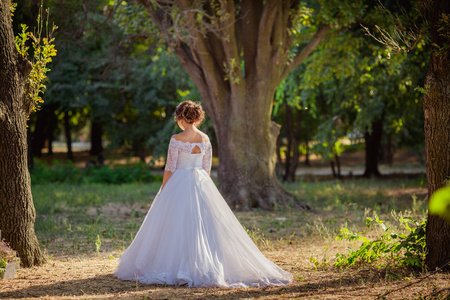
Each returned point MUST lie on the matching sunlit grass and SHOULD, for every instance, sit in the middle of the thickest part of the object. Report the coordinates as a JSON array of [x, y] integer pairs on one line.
[[70, 217]]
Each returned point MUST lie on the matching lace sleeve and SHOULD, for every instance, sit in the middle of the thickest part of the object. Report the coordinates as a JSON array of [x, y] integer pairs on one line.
[[172, 156], [207, 158]]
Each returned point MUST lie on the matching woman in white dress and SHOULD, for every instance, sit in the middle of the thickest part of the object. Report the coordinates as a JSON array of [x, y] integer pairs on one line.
[[190, 236]]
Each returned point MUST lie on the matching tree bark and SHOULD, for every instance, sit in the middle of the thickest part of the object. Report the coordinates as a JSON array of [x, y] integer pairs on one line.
[[436, 108], [17, 213], [96, 138], [373, 144]]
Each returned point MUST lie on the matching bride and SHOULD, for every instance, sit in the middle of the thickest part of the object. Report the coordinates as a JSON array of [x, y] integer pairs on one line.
[[190, 236]]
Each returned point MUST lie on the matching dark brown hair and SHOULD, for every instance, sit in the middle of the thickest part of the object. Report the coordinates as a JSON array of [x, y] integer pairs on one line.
[[189, 112]]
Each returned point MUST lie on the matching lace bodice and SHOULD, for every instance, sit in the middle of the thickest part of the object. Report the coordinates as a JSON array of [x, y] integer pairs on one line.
[[180, 156]]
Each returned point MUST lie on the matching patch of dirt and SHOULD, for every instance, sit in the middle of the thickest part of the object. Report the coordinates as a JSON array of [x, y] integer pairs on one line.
[[121, 211], [90, 277]]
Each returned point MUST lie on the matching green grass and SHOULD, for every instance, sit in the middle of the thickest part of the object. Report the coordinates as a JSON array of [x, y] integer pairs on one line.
[[72, 218]]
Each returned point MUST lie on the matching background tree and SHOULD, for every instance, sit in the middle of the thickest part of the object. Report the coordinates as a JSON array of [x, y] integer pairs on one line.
[[436, 108], [434, 23], [237, 53], [21, 84]]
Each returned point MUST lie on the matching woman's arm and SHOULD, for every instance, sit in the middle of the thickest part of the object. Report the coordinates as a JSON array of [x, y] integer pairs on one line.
[[171, 161]]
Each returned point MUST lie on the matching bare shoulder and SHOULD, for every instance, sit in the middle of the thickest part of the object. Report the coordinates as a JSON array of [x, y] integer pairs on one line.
[[205, 137], [177, 136]]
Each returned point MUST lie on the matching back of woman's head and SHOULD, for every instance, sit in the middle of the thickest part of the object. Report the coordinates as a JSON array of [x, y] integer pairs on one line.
[[190, 112]]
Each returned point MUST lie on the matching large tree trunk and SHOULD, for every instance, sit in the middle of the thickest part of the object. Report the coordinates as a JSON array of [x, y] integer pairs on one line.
[[373, 144], [17, 213], [246, 174], [237, 65], [436, 108], [96, 138]]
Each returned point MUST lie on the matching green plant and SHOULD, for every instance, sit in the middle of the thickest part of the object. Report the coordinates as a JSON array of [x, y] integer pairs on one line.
[[402, 249], [98, 244], [6, 255], [3, 263], [43, 51], [60, 172]]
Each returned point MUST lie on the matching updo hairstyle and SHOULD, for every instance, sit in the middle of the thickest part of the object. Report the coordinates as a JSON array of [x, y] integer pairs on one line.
[[190, 112]]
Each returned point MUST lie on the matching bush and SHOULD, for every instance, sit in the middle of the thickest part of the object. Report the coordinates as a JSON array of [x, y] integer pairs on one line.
[[400, 249], [68, 173]]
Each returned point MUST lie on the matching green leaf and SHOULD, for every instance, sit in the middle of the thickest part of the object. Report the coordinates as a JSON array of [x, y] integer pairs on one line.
[[439, 203]]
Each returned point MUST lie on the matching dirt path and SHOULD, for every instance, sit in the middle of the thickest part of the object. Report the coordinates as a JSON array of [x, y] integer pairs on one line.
[[91, 278]]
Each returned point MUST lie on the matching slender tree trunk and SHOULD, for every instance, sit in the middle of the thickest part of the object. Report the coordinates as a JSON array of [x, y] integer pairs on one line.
[[333, 169], [295, 145], [96, 138], [68, 135], [338, 165], [436, 108], [53, 123], [17, 213], [307, 162], [290, 136], [279, 164], [373, 144], [39, 134]]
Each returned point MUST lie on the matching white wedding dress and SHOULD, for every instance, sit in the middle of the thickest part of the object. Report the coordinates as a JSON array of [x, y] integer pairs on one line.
[[191, 237]]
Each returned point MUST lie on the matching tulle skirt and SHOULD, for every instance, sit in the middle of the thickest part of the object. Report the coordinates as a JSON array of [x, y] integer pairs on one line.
[[191, 237]]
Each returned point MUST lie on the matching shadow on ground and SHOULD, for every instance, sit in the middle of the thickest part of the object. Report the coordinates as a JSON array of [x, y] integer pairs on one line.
[[107, 286]]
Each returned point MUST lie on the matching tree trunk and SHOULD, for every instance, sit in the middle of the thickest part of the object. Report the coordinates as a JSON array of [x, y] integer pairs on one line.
[[295, 145], [290, 136], [53, 123], [39, 134], [373, 143], [247, 142], [68, 135], [236, 68], [338, 165], [279, 164], [307, 161], [436, 108], [17, 213], [96, 138], [333, 169]]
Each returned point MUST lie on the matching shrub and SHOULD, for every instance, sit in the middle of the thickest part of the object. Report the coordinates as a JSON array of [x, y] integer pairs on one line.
[[407, 250], [67, 172]]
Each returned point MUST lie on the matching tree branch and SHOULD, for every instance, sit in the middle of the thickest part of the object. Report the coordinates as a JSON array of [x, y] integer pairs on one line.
[[303, 54], [266, 21], [249, 20], [229, 42]]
